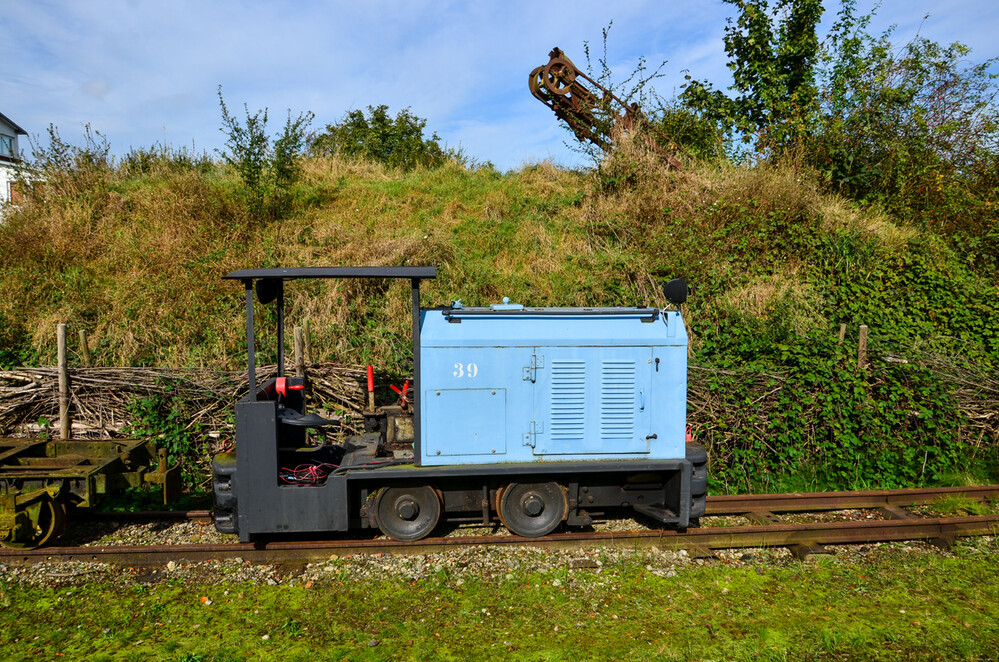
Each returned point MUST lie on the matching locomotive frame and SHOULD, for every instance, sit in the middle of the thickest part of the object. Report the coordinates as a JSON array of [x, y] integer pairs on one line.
[[365, 485]]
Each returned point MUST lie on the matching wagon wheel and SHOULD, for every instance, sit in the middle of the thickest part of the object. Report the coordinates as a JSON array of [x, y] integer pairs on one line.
[[407, 513], [532, 509], [48, 520], [559, 75], [536, 82]]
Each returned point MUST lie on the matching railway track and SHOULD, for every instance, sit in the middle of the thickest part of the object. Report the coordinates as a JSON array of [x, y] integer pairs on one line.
[[763, 511]]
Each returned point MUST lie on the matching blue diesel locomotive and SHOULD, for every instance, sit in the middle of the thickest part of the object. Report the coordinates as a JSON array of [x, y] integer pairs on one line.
[[534, 416]]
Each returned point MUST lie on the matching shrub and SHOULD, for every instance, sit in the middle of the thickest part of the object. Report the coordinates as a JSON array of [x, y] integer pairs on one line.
[[396, 142], [263, 168]]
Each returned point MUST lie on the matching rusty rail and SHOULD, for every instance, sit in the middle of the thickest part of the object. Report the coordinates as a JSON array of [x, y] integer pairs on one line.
[[729, 504], [203, 516], [792, 502], [902, 525], [711, 538]]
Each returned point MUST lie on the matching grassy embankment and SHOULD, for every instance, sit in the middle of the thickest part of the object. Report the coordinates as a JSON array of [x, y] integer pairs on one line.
[[133, 252], [892, 605]]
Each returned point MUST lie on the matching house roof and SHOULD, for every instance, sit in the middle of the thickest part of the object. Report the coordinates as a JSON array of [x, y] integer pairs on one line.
[[16, 128]]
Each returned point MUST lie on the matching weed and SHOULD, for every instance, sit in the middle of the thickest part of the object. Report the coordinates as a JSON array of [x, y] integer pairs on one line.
[[959, 506], [938, 606], [166, 418]]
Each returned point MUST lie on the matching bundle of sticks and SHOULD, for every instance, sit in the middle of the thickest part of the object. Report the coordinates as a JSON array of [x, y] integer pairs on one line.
[[103, 400]]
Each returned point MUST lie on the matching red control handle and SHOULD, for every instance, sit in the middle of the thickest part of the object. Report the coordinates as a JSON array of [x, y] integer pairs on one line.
[[281, 386]]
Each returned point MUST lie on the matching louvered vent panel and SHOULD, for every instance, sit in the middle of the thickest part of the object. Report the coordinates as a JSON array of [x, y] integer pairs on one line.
[[568, 400], [617, 400]]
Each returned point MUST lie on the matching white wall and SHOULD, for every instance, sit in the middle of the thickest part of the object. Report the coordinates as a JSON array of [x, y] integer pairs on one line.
[[7, 171], [7, 175]]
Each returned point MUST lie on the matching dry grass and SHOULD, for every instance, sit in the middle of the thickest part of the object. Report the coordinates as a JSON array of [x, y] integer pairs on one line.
[[784, 293], [871, 224], [136, 259]]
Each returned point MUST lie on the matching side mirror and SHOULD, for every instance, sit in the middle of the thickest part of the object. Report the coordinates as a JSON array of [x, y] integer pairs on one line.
[[676, 291], [268, 289]]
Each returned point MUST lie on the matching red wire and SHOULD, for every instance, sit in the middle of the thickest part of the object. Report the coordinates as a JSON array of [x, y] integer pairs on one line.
[[306, 474]]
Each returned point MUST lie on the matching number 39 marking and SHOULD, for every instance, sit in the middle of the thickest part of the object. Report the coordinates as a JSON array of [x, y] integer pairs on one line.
[[465, 370]]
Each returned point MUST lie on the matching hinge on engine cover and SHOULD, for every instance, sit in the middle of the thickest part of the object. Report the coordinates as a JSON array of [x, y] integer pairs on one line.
[[531, 438], [531, 371]]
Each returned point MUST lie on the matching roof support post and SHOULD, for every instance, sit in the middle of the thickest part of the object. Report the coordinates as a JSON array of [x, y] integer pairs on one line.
[[280, 328], [251, 359], [417, 445]]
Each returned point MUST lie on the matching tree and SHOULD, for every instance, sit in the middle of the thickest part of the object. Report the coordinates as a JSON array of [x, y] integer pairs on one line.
[[892, 115], [289, 148], [772, 55], [398, 142], [914, 128]]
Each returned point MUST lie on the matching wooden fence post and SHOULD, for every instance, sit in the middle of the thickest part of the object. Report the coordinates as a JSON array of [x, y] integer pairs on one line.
[[308, 342], [84, 348], [842, 333], [299, 353], [63, 382], [862, 348]]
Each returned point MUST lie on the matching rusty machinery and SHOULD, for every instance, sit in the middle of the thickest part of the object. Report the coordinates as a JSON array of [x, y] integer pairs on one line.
[[40, 478], [591, 114]]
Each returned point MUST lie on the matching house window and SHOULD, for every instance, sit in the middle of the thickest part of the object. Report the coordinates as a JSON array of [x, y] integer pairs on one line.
[[6, 145]]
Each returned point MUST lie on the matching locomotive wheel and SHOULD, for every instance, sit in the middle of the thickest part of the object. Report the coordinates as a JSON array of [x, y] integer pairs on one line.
[[532, 509], [48, 519], [407, 513]]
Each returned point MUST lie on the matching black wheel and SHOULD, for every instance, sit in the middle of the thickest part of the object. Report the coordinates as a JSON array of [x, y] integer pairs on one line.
[[407, 513], [532, 509]]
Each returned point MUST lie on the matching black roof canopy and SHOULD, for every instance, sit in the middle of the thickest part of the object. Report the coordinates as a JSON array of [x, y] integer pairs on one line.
[[334, 272]]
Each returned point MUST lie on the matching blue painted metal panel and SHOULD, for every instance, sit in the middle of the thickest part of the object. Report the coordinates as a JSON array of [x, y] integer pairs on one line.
[[592, 400], [574, 386], [466, 421], [465, 418]]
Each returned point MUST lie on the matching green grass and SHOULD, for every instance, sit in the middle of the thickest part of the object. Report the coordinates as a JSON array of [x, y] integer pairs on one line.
[[891, 605], [958, 506]]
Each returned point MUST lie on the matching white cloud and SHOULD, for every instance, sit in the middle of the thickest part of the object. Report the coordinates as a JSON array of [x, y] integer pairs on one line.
[[96, 87]]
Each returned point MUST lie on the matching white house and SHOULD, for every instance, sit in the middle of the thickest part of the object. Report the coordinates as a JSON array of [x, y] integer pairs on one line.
[[10, 157]]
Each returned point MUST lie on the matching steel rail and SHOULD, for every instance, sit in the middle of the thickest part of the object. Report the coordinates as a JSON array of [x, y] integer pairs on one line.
[[943, 530], [729, 504], [735, 504], [709, 538], [202, 516]]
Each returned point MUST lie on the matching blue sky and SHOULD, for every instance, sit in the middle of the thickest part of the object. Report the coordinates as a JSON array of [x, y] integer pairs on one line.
[[146, 72]]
